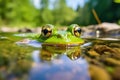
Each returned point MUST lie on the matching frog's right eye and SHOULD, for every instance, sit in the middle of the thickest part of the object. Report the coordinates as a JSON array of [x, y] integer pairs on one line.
[[75, 30], [47, 30]]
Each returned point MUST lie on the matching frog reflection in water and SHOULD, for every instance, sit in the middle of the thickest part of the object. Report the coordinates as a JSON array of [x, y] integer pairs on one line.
[[49, 53], [50, 36]]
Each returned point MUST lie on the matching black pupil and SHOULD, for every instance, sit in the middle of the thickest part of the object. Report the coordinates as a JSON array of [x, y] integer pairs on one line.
[[78, 30], [45, 31]]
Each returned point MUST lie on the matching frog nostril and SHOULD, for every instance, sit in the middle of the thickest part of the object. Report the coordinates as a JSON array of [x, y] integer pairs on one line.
[[59, 36]]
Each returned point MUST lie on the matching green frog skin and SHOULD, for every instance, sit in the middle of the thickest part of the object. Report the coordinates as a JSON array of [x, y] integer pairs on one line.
[[70, 37]]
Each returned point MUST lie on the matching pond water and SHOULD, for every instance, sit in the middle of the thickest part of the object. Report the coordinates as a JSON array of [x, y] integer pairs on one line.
[[31, 61]]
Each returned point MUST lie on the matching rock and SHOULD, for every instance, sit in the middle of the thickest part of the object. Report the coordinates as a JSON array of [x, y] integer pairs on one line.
[[112, 62], [116, 74], [102, 30], [25, 30], [93, 53], [114, 45], [107, 30], [94, 61], [101, 49], [98, 73], [105, 50], [108, 26], [8, 29], [37, 30], [116, 53], [88, 32]]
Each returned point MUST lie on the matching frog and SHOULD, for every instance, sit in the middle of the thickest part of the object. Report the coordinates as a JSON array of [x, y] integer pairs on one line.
[[51, 36]]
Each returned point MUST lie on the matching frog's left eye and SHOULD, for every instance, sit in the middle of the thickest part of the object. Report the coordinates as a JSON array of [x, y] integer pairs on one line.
[[77, 31], [46, 30]]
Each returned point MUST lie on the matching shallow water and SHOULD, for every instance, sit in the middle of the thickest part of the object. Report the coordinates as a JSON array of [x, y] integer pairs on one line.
[[31, 61]]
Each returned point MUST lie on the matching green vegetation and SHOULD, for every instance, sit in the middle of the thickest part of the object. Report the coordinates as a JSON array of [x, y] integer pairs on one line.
[[24, 13]]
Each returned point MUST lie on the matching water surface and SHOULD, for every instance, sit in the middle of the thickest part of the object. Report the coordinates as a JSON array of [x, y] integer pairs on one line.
[[25, 59], [29, 61]]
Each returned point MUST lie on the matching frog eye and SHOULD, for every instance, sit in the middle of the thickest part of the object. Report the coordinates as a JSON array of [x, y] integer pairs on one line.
[[46, 30], [77, 31]]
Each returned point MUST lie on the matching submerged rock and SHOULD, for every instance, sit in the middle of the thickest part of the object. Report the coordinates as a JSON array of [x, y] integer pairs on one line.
[[112, 61], [116, 74], [101, 49], [98, 73], [93, 53], [104, 58]]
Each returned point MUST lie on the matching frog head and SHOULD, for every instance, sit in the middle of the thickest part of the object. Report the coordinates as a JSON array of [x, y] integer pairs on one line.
[[53, 37]]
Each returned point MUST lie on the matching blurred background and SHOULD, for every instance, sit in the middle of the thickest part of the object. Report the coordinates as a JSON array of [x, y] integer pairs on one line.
[[34, 13]]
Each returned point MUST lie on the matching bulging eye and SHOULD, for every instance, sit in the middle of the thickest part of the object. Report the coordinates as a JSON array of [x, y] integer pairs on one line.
[[77, 31], [47, 30]]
